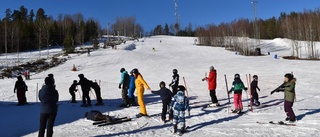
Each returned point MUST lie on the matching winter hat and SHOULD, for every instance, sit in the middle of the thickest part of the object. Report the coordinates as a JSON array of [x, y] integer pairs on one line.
[[122, 69], [75, 81], [174, 71], [81, 76], [19, 78], [289, 76], [181, 88], [236, 76], [211, 68], [162, 83], [48, 81], [255, 76], [50, 75]]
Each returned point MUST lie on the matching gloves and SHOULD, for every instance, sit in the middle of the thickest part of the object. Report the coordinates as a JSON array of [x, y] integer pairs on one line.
[[119, 86], [203, 79], [245, 88], [75, 90]]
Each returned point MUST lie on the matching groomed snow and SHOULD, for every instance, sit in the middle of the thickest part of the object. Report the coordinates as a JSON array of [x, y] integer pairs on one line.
[[192, 63]]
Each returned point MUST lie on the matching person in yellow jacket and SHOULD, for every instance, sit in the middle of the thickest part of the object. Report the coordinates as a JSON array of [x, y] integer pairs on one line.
[[140, 85]]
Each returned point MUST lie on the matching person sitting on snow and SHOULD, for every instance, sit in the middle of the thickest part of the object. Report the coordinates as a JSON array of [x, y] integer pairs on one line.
[[179, 104], [96, 115]]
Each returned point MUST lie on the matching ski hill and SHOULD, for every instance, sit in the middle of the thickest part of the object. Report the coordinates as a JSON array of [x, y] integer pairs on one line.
[[192, 63]]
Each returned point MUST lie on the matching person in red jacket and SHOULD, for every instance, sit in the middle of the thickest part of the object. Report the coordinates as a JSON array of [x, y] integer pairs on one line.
[[212, 84]]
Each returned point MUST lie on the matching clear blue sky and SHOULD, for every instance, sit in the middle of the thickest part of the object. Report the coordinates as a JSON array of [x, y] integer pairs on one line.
[[150, 13]]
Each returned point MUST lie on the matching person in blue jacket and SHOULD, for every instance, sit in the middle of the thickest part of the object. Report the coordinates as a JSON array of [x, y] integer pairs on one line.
[[166, 96], [49, 97], [179, 104], [132, 88]]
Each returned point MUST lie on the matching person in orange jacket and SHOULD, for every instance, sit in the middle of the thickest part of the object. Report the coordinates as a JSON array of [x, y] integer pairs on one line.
[[212, 84], [140, 84]]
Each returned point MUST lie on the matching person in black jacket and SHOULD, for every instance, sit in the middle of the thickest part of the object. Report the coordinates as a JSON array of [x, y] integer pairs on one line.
[[21, 88], [49, 97], [72, 90], [254, 93], [175, 81], [97, 90], [85, 87], [166, 96]]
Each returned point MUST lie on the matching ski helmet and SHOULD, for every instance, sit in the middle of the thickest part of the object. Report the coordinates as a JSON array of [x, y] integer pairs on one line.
[[162, 84], [236, 75], [181, 88], [211, 68], [255, 76], [175, 71], [122, 69], [289, 76]]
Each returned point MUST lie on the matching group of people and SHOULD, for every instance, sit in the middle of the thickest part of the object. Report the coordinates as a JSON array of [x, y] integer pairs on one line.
[[86, 86], [288, 87], [173, 102]]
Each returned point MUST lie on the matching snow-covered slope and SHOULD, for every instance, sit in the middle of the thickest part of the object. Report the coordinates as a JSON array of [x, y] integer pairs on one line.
[[192, 63]]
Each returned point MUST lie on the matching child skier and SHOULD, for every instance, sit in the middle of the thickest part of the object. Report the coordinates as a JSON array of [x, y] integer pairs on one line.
[[166, 96], [72, 90], [179, 104], [288, 87], [254, 93], [237, 87], [175, 81]]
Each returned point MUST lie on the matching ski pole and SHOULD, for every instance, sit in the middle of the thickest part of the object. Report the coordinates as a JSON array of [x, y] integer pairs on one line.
[[185, 84], [225, 78]]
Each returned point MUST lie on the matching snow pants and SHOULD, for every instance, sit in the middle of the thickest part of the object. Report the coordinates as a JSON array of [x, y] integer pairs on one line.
[[288, 109], [179, 118], [46, 121], [21, 94], [237, 100], [165, 104], [213, 96], [86, 98], [98, 96], [124, 95], [140, 93]]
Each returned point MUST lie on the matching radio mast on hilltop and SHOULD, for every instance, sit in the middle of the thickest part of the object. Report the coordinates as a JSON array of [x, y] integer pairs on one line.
[[177, 24], [256, 33]]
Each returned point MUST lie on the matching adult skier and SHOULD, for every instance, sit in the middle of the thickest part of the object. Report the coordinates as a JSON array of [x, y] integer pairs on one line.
[[20, 87], [166, 96], [125, 80], [97, 91], [212, 84], [49, 97], [288, 87], [85, 87], [175, 81], [140, 84]]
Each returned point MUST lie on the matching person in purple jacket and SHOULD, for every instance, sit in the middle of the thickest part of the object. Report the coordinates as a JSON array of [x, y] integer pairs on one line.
[[166, 96]]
